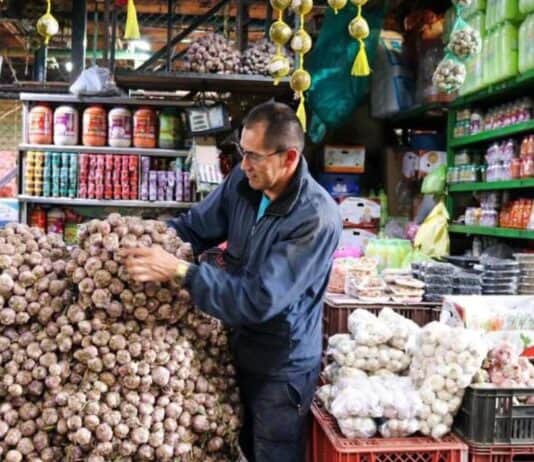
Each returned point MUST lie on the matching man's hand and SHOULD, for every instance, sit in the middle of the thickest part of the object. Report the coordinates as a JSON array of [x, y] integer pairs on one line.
[[153, 264]]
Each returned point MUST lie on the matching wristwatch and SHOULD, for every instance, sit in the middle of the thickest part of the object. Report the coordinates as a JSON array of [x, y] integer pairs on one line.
[[180, 272]]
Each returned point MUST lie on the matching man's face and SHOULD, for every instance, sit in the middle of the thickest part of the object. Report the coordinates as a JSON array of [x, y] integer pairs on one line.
[[262, 166]]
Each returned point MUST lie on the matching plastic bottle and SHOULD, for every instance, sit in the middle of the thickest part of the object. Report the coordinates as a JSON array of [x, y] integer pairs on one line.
[[40, 124], [120, 128], [144, 132], [38, 218], [383, 207], [94, 126], [66, 126]]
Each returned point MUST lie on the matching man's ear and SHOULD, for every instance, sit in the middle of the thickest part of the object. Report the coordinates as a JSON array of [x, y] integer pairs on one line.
[[292, 155]]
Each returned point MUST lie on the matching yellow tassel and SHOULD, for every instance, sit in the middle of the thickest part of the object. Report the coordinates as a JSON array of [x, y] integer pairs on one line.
[[132, 26], [301, 112], [361, 68]]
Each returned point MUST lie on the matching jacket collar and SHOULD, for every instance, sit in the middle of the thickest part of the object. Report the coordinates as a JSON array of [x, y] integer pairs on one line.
[[287, 200]]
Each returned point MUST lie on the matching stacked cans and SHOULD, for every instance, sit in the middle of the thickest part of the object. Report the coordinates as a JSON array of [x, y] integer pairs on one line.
[[34, 173], [56, 174], [108, 176], [165, 185]]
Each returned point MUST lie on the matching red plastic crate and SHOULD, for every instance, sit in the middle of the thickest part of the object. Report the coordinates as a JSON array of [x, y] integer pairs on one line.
[[500, 453], [329, 445]]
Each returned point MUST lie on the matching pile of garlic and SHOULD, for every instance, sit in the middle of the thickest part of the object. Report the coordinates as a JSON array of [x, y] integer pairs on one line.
[[444, 363]]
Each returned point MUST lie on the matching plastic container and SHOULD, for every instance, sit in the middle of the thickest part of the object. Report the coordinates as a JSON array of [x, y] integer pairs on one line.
[[38, 218], [40, 124], [327, 444], [526, 50], [120, 128], [170, 129], [526, 6], [495, 416], [55, 221], [144, 129], [66, 126], [501, 453], [94, 131], [506, 51]]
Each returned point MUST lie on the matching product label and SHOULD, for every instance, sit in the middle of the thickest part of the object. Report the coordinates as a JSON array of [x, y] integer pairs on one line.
[[95, 125], [145, 127], [120, 128], [40, 124], [64, 124]]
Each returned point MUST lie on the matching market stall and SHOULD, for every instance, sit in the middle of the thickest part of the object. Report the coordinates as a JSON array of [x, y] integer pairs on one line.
[[419, 124]]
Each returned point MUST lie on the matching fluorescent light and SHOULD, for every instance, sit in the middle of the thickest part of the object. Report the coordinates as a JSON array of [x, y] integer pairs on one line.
[[142, 45], [68, 66]]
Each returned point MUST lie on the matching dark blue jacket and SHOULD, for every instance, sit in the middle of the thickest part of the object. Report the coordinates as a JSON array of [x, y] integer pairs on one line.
[[276, 269]]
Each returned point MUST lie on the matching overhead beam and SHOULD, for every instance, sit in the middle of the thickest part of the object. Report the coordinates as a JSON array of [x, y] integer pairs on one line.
[[168, 47], [79, 34]]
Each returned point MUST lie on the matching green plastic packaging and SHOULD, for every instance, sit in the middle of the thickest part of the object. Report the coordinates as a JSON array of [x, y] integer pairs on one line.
[[499, 11], [526, 6], [488, 57], [526, 44], [434, 182], [475, 7], [478, 22], [506, 52], [170, 129], [475, 65]]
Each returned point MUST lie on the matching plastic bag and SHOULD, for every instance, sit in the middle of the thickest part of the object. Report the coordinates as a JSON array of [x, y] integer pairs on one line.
[[395, 428], [392, 83], [464, 41], [357, 400], [526, 50], [367, 329], [357, 427], [526, 6], [434, 182], [449, 75], [95, 81], [404, 331], [432, 238]]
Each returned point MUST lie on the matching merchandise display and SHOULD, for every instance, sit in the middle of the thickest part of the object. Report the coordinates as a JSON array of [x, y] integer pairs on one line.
[[428, 317], [96, 366], [116, 127], [363, 385]]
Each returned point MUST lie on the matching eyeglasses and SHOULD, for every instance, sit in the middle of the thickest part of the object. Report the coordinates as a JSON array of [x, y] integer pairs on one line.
[[254, 157]]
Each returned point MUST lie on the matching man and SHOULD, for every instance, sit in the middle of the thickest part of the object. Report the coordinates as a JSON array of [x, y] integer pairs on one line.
[[282, 229]]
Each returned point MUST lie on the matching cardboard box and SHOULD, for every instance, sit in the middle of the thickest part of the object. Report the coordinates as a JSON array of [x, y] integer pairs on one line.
[[9, 211], [358, 211], [340, 185], [344, 159], [356, 238]]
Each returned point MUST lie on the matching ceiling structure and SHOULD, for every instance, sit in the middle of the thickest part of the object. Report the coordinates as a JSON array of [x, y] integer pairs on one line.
[[19, 42]]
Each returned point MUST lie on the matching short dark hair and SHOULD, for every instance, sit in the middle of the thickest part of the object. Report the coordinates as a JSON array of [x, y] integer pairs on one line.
[[282, 127]]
